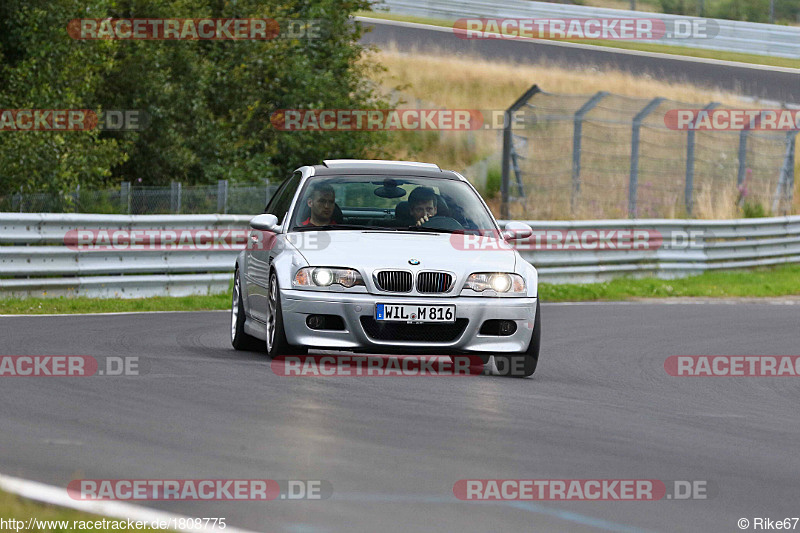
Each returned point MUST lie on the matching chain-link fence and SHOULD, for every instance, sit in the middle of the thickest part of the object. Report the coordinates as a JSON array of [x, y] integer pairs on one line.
[[127, 199], [612, 156]]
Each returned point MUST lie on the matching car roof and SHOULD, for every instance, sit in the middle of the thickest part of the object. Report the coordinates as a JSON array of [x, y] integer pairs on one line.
[[335, 167]]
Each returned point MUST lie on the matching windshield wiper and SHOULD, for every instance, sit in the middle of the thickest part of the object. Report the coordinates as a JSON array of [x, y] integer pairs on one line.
[[432, 230], [341, 227]]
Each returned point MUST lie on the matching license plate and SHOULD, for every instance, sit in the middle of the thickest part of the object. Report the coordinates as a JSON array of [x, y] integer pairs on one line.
[[415, 313]]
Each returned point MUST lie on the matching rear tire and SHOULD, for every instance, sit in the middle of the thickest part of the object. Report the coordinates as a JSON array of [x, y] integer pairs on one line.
[[239, 339], [524, 364]]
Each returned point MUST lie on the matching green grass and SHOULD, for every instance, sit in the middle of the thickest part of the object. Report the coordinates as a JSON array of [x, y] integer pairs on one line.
[[643, 47], [43, 306], [757, 283], [763, 282], [14, 507]]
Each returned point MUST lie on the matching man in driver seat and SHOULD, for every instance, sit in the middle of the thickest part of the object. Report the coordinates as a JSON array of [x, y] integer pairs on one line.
[[422, 203], [322, 203]]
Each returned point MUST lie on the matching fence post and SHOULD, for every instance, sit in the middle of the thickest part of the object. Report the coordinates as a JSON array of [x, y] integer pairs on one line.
[[635, 131], [125, 197], [505, 166], [18, 196], [515, 157], [742, 157], [76, 198], [689, 190], [175, 197], [507, 125], [222, 196], [785, 186], [577, 133], [790, 184]]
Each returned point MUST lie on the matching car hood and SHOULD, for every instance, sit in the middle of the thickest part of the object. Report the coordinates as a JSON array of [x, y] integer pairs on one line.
[[371, 250]]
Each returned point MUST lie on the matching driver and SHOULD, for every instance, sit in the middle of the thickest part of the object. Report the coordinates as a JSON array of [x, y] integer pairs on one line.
[[422, 203], [322, 202]]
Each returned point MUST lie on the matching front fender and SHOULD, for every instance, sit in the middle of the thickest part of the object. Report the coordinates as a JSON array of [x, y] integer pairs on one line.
[[286, 264], [530, 274], [241, 266]]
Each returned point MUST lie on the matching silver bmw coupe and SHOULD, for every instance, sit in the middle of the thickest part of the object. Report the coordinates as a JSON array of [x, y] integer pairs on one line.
[[385, 257]]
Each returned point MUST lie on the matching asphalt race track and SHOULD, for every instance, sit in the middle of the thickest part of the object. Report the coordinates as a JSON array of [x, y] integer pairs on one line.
[[770, 83], [601, 406]]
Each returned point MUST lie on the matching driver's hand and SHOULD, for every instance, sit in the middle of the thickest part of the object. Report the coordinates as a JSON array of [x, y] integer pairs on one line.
[[422, 220]]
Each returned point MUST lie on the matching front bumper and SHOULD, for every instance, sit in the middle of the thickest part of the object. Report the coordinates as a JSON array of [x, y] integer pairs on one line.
[[298, 304]]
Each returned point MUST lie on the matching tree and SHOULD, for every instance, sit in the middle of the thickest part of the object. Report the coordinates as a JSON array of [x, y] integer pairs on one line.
[[209, 102], [43, 68]]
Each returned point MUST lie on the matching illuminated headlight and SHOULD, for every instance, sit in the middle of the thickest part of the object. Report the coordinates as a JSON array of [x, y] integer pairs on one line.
[[322, 277], [499, 282], [325, 277]]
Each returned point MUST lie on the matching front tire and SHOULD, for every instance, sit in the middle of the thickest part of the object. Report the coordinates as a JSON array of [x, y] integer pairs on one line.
[[239, 339], [524, 364], [276, 334]]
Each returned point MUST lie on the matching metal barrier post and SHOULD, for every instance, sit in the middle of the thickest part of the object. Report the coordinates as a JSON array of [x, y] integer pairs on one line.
[[785, 186], [505, 167], [175, 197], [577, 133], [507, 125], [792, 149], [742, 157], [635, 132], [690, 138], [125, 197], [222, 196]]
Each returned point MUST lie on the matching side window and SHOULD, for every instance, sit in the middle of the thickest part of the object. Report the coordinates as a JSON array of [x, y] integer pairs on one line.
[[279, 204]]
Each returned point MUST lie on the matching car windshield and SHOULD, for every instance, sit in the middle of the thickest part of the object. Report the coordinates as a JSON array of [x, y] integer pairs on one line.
[[390, 203]]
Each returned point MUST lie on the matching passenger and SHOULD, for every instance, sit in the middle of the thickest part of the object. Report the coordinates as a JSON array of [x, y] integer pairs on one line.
[[422, 203]]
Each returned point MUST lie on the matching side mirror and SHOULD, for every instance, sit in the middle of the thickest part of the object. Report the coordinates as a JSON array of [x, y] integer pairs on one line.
[[264, 222], [516, 230]]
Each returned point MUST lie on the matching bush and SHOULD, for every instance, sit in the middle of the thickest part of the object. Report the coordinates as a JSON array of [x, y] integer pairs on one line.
[[674, 7], [752, 210], [494, 179]]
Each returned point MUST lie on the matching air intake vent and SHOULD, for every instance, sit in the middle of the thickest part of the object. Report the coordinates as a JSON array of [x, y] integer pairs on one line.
[[394, 280], [398, 331], [433, 282]]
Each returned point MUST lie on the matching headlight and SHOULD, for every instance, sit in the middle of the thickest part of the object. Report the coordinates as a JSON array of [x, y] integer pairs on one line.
[[325, 277], [499, 282]]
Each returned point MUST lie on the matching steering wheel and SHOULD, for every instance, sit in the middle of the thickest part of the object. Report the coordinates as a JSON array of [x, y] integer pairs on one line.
[[443, 223]]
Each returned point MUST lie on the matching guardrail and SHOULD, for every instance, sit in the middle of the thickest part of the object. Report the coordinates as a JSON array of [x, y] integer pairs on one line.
[[733, 36], [667, 249], [36, 261]]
